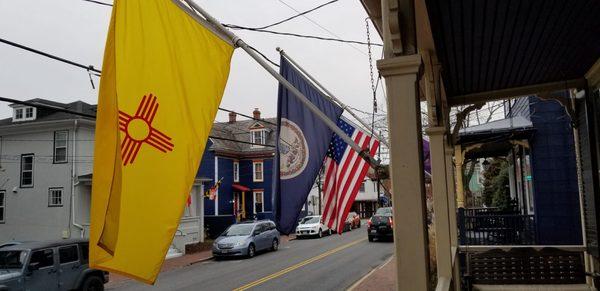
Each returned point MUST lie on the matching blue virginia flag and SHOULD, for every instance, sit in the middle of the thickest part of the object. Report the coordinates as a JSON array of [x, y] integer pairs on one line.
[[303, 140]]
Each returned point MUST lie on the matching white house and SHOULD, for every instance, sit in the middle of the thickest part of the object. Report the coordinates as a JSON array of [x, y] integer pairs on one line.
[[46, 160], [365, 203]]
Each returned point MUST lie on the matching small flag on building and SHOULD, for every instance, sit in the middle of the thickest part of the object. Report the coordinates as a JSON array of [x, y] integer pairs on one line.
[[212, 192], [162, 81], [345, 171], [302, 144]]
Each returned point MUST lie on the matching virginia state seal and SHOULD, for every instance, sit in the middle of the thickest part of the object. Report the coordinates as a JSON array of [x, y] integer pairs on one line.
[[293, 150]]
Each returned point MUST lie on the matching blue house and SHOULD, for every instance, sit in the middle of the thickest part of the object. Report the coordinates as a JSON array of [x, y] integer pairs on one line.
[[244, 169], [536, 139]]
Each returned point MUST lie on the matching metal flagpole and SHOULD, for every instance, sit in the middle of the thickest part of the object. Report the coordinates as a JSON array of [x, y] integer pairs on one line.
[[240, 43], [332, 97]]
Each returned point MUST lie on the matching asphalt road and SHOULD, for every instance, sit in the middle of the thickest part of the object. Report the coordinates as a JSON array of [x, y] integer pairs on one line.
[[331, 263]]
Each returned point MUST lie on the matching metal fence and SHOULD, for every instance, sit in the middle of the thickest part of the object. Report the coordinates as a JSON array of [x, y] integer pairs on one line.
[[484, 227]]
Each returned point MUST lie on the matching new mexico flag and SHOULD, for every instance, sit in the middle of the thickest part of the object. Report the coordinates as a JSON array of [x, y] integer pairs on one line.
[[163, 78]]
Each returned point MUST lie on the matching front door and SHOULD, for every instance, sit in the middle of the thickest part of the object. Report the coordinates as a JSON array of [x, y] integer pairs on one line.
[[42, 271], [236, 206], [69, 267]]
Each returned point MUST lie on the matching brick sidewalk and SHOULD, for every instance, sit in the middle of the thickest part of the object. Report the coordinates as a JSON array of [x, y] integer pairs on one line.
[[170, 264], [382, 278], [179, 262]]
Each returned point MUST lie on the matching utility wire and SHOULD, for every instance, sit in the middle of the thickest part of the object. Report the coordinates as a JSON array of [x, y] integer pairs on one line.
[[297, 15], [98, 2], [38, 105], [98, 72], [88, 68], [321, 26], [235, 26]]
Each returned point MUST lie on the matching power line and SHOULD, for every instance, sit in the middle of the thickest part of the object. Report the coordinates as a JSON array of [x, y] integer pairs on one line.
[[297, 15], [235, 26], [90, 68], [98, 2], [320, 26], [38, 105]]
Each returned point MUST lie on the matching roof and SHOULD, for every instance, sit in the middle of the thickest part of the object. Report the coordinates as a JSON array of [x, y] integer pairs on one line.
[[494, 45], [515, 122], [44, 244], [47, 114], [240, 130]]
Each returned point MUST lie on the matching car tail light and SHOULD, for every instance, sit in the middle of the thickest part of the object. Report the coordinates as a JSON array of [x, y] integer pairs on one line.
[[369, 223], [391, 222]]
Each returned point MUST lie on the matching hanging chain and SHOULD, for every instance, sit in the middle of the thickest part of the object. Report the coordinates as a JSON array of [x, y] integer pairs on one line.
[[373, 88]]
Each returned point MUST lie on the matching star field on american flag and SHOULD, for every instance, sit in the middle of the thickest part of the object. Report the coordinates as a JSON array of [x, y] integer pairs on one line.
[[338, 145]]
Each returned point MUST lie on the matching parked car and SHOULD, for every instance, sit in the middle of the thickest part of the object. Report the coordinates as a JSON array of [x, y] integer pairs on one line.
[[246, 239], [354, 219], [311, 226], [381, 224], [10, 243], [54, 265]]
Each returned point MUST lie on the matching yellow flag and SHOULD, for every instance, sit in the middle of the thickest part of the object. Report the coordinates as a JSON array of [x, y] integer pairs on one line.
[[163, 78]]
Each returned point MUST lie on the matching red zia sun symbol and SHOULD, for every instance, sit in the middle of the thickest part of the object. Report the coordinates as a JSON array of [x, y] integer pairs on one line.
[[138, 130]]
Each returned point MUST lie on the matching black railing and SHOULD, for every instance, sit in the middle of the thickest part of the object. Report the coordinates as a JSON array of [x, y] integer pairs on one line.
[[522, 266], [488, 228]]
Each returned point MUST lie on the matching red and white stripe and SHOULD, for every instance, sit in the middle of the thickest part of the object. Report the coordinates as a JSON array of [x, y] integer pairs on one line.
[[343, 181]]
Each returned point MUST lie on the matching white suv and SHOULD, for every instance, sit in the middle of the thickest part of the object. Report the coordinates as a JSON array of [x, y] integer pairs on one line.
[[311, 226]]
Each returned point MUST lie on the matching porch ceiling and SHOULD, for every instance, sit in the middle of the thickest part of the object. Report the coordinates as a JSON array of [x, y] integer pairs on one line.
[[498, 45]]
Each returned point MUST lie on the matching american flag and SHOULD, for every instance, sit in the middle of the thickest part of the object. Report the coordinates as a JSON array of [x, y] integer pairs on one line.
[[345, 171]]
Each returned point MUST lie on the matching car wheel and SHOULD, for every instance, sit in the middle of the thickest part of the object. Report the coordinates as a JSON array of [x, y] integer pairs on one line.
[[92, 283], [275, 245], [251, 251], [359, 225], [320, 233], [370, 238]]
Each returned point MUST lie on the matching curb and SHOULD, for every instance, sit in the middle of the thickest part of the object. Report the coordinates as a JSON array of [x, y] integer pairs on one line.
[[353, 286], [200, 260]]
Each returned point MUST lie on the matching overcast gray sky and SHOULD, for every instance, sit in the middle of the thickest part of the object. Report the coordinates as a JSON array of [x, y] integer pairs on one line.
[[76, 30]]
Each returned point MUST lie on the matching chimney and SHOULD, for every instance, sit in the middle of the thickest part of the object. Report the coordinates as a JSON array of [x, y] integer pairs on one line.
[[256, 113], [232, 116]]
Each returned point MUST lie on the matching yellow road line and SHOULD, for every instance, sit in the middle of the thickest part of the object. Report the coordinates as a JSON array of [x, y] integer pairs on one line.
[[296, 266]]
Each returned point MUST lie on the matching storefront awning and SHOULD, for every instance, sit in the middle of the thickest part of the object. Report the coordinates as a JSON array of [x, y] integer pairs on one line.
[[240, 188]]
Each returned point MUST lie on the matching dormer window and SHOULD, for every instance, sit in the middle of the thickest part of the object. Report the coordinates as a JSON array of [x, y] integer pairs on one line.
[[259, 137], [24, 113]]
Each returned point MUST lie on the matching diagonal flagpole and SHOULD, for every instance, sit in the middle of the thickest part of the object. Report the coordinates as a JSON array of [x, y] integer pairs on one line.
[[332, 97], [238, 42]]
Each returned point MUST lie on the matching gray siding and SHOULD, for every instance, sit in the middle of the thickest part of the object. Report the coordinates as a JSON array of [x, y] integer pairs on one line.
[[28, 215]]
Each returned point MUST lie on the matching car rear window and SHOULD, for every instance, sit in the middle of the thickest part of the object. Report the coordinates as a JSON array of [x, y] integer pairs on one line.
[[384, 211], [68, 254], [310, 219]]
